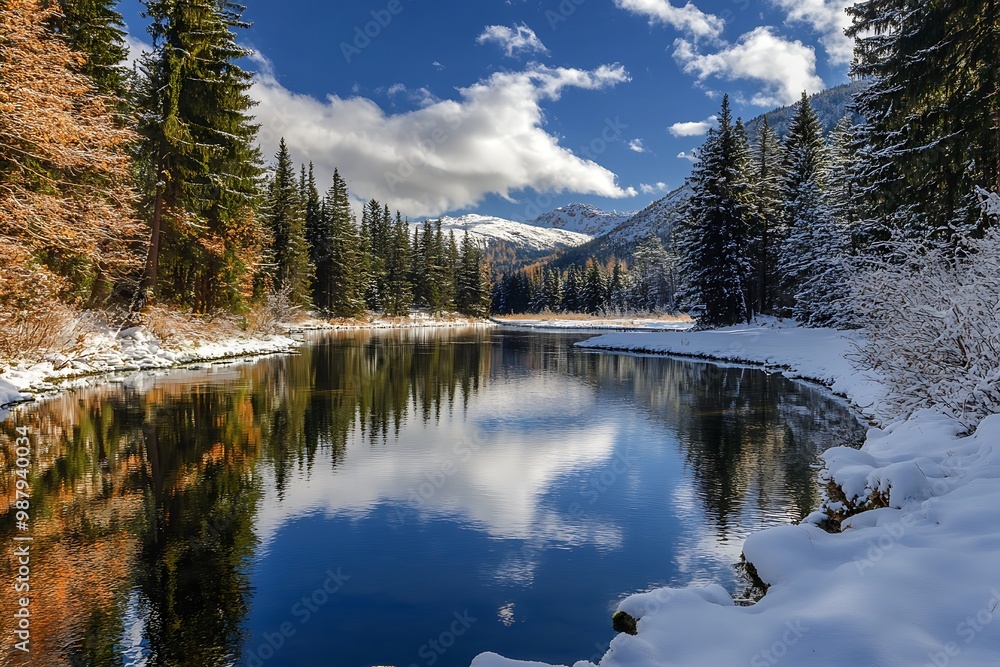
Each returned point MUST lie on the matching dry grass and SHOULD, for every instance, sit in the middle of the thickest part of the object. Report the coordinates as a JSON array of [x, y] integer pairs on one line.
[[50, 328]]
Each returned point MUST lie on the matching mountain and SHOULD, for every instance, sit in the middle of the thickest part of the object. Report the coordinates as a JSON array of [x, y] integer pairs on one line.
[[520, 236], [581, 218], [660, 217], [830, 106]]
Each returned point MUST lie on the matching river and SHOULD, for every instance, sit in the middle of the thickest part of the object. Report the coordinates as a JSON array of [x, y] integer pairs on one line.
[[404, 498]]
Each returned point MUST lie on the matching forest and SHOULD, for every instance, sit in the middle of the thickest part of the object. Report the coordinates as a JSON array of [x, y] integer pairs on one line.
[[125, 188]]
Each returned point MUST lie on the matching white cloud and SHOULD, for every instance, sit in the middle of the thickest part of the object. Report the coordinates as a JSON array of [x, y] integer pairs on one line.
[[136, 48], [697, 128], [653, 189], [785, 68], [829, 19], [448, 154], [514, 40], [437, 65], [636, 145], [691, 157], [688, 18]]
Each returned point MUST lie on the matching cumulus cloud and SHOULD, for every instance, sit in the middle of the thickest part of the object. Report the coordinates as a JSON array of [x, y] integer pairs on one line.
[[697, 128], [784, 68], [636, 145], [656, 188], [519, 39], [688, 19], [446, 155], [829, 19]]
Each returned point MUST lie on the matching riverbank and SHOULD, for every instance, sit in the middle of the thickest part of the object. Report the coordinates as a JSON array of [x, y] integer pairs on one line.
[[179, 341], [909, 579]]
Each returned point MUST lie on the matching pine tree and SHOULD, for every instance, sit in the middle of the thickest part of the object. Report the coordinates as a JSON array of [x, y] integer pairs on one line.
[[344, 284], [67, 222], [767, 227], [714, 235], [932, 114], [805, 160], [200, 141], [96, 29], [284, 216], [617, 289]]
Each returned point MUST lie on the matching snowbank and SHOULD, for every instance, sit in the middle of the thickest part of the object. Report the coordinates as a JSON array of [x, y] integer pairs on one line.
[[820, 355], [914, 581], [131, 350], [9, 395], [596, 324]]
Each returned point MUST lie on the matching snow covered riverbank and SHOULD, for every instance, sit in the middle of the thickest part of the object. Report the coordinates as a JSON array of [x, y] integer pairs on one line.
[[914, 581], [594, 324]]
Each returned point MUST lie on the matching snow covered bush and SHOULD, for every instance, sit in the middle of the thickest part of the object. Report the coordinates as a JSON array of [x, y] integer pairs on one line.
[[933, 320]]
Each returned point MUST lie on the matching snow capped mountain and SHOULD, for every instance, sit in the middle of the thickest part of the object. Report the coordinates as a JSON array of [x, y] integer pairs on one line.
[[581, 218], [484, 229]]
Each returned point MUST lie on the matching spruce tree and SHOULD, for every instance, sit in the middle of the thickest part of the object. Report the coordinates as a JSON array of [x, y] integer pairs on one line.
[[284, 215], [472, 288], [344, 284], [767, 226], [200, 141], [571, 290], [399, 291], [318, 239], [714, 234], [805, 162], [96, 29], [932, 114], [593, 298]]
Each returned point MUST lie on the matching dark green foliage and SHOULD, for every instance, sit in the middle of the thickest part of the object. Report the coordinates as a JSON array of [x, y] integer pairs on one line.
[[472, 282], [343, 282], [284, 215], [932, 114], [714, 238], [200, 145], [95, 29]]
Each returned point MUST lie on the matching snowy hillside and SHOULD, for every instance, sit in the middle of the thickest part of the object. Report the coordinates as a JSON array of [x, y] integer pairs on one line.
[[582, 218], [484, 228]]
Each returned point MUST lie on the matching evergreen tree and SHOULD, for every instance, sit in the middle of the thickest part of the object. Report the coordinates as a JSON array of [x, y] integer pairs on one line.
[[95, 29], [571, 290], [653, 288], [767, 229], [344, 284], [399, 291], [593, 298], [374, 262], [932, 113], [805, 160], [617, 289], [200, 141], [419, 274], [319, 236], [284, 216], [714, 235], [472, 286]]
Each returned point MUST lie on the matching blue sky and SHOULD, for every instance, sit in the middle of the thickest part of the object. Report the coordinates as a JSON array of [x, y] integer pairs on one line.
[[515, 107]]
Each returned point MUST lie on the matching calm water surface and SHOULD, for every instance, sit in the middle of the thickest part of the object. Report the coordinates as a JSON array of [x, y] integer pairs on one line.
[[397, 498]]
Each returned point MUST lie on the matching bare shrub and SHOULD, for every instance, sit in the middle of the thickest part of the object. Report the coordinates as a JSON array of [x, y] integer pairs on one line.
[[46, 329], [934, 327], [267, 316]]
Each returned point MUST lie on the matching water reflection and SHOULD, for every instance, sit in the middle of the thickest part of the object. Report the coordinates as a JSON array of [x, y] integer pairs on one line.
[[179, 517]]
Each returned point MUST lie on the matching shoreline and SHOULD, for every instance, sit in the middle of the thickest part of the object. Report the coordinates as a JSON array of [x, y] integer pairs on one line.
[[137, 350], [902, 549]]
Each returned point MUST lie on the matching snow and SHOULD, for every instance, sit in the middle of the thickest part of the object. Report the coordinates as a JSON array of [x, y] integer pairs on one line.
[[9, 395], [526, 236], [913, 581], [132, 350], [596, 324], [582, 218]]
